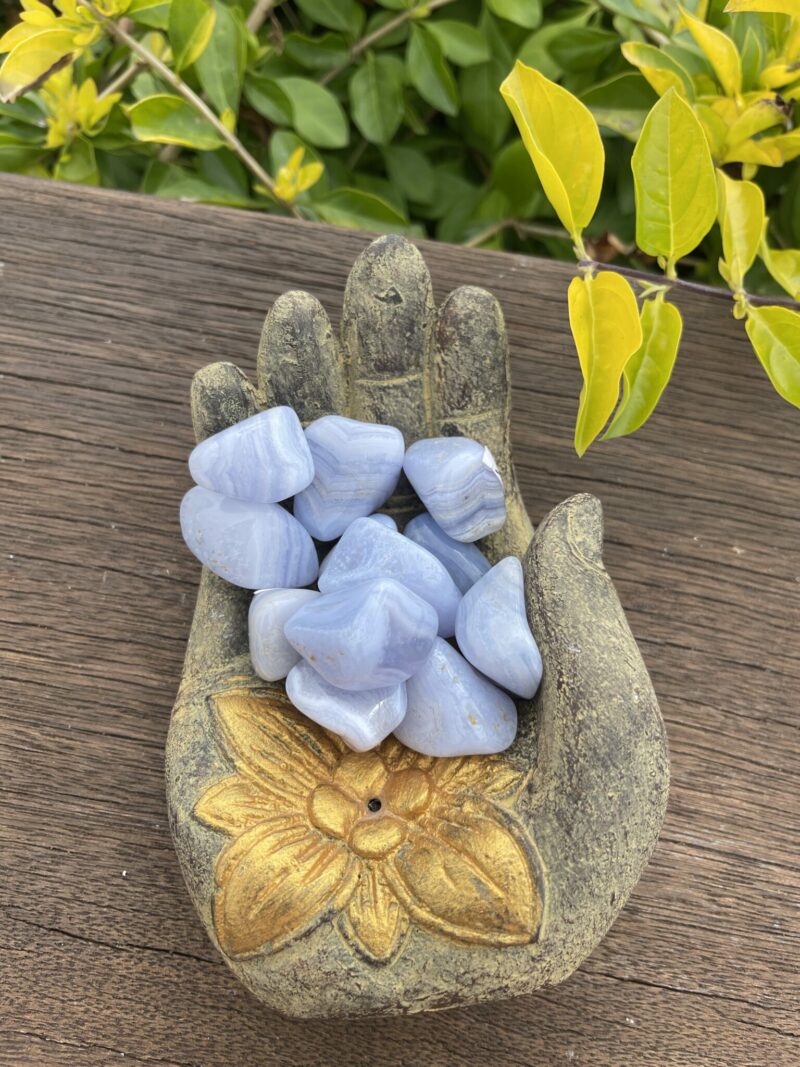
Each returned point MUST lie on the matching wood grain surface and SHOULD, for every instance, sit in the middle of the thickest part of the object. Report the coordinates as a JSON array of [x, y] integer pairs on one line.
[[108, 304]]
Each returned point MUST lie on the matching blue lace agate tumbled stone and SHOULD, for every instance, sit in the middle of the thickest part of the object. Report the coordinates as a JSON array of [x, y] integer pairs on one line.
[[362, 719], [257, 546], [493, 633], [370, 550], [270, 609], [356, 467], [264, 459], [454, 711], [369, 635], [457, 480], [385, 520], [465, 563]]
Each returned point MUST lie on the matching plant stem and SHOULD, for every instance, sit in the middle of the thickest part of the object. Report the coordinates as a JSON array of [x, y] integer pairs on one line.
[[122, 79], [366, 42], [256, 18], [191, 98]]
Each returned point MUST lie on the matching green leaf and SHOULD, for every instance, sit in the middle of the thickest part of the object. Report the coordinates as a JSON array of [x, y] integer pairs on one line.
[[376, 98], [774, 333], [514, 175], [76, 163], [191, 23], [526, 13], [584, 48], [266, 97], [410, 171], [644, 12], [461, 43], [621, 104], [364, 211], [752, 59], [719, 50], [661, 70], [220, 68], [563, 141], [485, 116], [347, 16], [741, 220], [429, 72], [784, 266], [168, 119], [535, 49], [316, 113], [604, 319], [182, 185], [316, 53], [16, 154], [153, 13], [648, 371], [32, 58], [676, 191]]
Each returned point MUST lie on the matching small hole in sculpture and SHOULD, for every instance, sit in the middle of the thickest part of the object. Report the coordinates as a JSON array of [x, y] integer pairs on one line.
[[374, 804]]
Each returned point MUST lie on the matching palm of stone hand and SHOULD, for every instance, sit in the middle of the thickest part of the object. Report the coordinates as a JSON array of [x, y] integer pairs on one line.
[[338, 883]]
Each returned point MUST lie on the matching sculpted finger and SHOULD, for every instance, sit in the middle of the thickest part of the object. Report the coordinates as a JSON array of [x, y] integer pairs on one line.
[[387, 333], [298, 362], [221, 396], [602, 749], [471, 395]]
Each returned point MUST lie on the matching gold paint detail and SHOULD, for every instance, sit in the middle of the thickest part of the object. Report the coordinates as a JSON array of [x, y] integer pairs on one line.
[[373, 841]]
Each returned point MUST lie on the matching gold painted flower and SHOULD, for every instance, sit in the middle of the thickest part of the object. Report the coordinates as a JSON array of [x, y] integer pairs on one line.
[[374, 841]]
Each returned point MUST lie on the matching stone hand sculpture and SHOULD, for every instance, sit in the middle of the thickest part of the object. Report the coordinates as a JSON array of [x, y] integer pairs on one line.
[[338, 883]]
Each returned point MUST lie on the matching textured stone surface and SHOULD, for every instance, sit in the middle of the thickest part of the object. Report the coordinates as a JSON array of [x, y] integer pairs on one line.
[[457, 480], [367, 635], [263, 459], [270, 609], [370, 550], [356, 467], [465, 563], [493, 633], [256, 546], [362, 719], [569, 814], [453, 710]]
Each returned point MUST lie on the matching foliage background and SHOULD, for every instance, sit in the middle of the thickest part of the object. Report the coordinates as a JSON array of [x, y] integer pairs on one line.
[[397, 101]]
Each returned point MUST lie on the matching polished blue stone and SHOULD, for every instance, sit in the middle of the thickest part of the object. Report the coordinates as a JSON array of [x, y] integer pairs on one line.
[[386, 520], [362, 719], [368, 635], [457, 480], [257, 546], [356, 467], [270, 609], [493, 633], [465, 563], [263, 459], [454, 711], [368, 549]]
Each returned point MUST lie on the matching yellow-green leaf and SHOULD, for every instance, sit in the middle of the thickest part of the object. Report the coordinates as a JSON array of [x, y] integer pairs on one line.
[[780, 7], [757, 117], [719, 50], [659, 68], [31, 58], [167, 119], [784, 266], [676, 191], [191, 23], [774, 333], [648, 371], [741, 220], [563, 141], [767, 151], [604, 320]]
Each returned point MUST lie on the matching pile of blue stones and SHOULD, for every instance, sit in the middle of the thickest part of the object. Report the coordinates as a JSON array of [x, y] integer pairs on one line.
[[365, 640]]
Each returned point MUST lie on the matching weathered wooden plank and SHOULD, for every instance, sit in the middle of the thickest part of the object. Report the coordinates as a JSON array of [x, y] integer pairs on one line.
[[109, 303]]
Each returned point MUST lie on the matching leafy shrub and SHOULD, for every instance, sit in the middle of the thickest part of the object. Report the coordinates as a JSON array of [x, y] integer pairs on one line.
[[387, 115]]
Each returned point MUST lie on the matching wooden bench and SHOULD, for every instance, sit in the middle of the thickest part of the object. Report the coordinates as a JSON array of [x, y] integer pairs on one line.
[[108, 304]]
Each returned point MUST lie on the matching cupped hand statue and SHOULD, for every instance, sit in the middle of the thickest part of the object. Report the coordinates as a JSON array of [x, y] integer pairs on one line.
[[338, 883]]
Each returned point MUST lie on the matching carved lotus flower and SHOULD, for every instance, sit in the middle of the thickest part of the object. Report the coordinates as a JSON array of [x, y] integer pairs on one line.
[[372, 841]]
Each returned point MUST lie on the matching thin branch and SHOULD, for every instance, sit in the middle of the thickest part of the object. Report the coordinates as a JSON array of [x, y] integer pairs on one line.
[[122, 79], [191, 98], [257, 17], [371, 38]]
